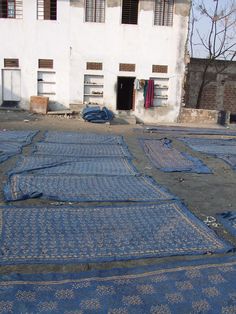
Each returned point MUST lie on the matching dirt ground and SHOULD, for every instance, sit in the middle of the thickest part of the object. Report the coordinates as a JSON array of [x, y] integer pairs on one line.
[[204, 194]]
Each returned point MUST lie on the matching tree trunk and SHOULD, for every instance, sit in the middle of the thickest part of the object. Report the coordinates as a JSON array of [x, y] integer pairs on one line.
[[202, 85]]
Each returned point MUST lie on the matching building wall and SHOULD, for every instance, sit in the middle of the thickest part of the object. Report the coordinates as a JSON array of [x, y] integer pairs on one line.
[[71, 42], [29, 39], [220, 93]]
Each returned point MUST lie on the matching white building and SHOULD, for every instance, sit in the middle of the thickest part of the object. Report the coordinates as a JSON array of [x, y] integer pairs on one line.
[[91, 51]]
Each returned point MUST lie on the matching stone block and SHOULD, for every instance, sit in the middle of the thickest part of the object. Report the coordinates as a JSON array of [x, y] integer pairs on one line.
[[39, 104]]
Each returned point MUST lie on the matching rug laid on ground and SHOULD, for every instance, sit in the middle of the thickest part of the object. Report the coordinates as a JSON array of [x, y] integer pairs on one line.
[[84, 188], [11, 142], [229, 159], [81, 150], [228, 220], [82, 138], [9, 149], [64, 234], [186, 130], [165, 157], [202, 286], [212, 146], [17, 136], [71, 165]]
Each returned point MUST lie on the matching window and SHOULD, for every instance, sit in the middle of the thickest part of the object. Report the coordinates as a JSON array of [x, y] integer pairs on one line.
[[45, 64], [95, 11], [130, 12], [163, 14], [11, 63], [10, 9], [47, 9]]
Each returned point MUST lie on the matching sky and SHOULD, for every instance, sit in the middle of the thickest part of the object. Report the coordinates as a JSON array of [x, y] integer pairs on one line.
[[203, 25]]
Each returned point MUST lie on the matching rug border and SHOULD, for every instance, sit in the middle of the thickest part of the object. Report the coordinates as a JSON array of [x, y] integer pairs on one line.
[[112, 273]]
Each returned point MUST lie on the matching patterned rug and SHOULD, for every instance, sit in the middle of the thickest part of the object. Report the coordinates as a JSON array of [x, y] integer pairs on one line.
[[166, 158], [202, 286], [9, 149], [66, 234], [230, 159], [82, 150], [11, 142], [84, 188], [186, 130], [71, 165], [82, 138], [212, 146], [17, 136], [228, 220]]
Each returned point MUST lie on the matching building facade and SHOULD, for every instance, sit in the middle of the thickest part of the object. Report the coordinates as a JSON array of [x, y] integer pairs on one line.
[[95, 51]]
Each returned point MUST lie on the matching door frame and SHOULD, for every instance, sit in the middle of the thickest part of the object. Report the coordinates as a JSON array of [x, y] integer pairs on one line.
[[2, 76], [133, 95]]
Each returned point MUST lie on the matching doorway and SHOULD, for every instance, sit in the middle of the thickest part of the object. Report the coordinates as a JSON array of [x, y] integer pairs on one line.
[[125, 93], [11, 87]]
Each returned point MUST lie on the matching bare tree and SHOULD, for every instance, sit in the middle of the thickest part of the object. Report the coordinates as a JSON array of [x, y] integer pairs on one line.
[[217, 40]]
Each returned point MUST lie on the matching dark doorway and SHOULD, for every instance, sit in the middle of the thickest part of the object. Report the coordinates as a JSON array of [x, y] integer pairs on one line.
[[125, 89]]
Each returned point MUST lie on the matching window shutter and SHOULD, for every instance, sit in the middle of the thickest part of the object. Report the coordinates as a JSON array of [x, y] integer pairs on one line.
[[95, 11], [130, 12], [163, 14]]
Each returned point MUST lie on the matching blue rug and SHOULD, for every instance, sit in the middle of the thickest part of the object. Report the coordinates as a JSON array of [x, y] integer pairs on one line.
[[72, 165], [82, 138], [9, 149], [187, 130], [202, 286], [82, 150], [211, 146], [228, 220], [166, 158], [17, 136], [66, 234], [84, 188], [229, 159]]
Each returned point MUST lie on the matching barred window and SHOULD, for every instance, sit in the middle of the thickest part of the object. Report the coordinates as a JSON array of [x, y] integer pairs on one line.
[[163, 14], [95, 11], [130, 11], [11, 9], [47, 9]]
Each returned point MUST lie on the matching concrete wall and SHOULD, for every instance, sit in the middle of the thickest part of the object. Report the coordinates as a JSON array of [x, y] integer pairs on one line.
[[188, 115], [220, 93], [71, 42]]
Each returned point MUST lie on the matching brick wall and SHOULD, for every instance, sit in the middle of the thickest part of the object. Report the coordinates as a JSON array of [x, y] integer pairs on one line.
[[219, 94]]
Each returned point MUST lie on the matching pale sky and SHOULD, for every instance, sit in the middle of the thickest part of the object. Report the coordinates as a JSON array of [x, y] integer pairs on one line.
[[203, 24]]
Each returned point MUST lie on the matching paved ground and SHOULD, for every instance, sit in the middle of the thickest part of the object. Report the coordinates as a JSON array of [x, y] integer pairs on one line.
[[204, 194]]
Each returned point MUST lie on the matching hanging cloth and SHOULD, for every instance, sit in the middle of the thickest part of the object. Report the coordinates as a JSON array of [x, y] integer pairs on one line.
[[148, 101]]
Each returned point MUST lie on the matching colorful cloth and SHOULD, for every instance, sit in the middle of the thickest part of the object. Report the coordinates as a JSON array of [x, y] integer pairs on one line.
[[72, 234], [166, 158], [149, 94], [202, 286]]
